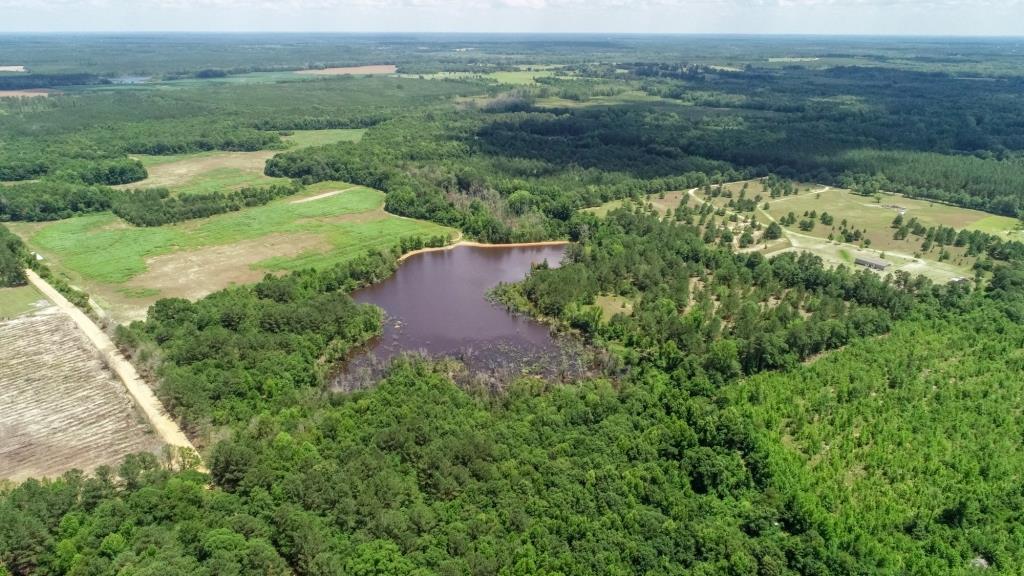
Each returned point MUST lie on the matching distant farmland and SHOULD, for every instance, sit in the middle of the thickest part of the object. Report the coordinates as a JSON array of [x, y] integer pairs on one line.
[[60, 408], [353, 70]]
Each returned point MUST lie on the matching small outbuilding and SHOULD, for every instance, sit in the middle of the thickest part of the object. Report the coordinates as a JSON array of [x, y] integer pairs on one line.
[[871, 263]]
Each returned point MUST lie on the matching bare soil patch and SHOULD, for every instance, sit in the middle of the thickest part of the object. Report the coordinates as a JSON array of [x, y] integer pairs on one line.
[[354, 70], [196, 273], [60, 406], [27, 93]]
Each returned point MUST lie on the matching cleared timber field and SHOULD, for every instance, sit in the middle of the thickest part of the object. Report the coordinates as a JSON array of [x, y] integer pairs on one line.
[[127, 268], [206, 172], [60, 407]]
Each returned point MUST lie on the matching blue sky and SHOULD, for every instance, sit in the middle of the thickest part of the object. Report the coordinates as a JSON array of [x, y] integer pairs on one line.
[[891, 17]]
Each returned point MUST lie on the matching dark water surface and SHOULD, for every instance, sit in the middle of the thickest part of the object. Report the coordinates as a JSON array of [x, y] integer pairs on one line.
[[436, 304]]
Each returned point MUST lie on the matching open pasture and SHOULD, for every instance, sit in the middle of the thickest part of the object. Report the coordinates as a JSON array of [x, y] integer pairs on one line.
[[872, 213], [128, 268], [876, 214], [218, 171], [205, 172], [60, 407], [874, 217]]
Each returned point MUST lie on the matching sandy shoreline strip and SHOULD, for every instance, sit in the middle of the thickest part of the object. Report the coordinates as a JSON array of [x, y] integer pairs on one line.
[[473, 244]]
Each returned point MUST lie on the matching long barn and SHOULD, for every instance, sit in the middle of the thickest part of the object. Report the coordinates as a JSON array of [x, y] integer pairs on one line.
[[871, 263]]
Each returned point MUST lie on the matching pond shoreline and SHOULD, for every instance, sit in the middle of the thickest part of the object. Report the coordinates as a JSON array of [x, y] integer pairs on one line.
[[473, 244], [437, 305]]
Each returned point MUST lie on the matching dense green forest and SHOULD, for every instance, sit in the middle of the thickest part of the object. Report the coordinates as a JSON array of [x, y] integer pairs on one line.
[[444, 167], [680, 464], [705, 314], [86, 136], [241, 351], [755, 415]]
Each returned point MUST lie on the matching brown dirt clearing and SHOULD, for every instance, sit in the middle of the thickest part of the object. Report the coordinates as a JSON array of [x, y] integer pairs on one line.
[[196, 273], [30, 93], [60, 407]]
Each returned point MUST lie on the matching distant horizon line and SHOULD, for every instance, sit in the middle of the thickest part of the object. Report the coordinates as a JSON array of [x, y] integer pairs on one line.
[[518, 33]]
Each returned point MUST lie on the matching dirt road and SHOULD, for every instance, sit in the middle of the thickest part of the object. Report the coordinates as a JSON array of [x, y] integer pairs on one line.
[[140, 392]]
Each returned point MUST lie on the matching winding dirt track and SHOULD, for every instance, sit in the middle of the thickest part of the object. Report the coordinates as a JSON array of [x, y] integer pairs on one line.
[[141, 393]]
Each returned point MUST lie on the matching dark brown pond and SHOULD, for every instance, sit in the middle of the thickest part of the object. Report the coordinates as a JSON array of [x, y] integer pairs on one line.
[[436, 304]]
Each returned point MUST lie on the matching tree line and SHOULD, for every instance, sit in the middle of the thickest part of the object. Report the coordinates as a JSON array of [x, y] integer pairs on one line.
[[43, 201]]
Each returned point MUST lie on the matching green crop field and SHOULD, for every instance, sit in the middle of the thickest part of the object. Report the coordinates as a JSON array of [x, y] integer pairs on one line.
[[129, 267]]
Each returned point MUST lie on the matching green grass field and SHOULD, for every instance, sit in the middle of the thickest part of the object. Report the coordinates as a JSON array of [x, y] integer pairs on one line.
[[117, 261], [1008, 228], [217, 171], [307, 138], [877, 215], [17, 301]]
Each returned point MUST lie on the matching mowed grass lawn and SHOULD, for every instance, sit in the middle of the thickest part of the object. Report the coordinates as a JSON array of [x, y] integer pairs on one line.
[[103, 248]]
